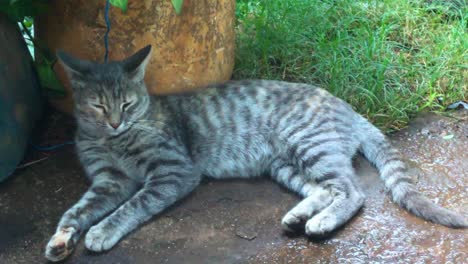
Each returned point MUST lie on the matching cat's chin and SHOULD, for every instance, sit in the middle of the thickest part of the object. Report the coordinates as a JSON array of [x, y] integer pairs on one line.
[[114, 133], [117, 132]]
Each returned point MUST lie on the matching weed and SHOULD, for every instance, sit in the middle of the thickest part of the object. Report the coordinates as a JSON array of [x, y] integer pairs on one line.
[[390, 59]]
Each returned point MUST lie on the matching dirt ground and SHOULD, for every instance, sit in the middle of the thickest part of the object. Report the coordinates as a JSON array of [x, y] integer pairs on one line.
[[239, 221]]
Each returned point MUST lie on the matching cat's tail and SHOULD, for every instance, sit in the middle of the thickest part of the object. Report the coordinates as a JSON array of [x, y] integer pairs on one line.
[[394, 173]]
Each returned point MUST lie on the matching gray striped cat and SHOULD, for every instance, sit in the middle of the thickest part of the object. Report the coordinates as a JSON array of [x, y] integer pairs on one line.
[[143, 153]]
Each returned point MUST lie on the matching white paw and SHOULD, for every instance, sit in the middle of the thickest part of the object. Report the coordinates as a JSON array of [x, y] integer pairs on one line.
[[100, 239], [61, 244], [320, 225], [291, 222], [304, 210]]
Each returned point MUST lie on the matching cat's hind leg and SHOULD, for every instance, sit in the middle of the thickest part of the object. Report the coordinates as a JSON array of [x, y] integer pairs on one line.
[[333, 172], [316, 197]]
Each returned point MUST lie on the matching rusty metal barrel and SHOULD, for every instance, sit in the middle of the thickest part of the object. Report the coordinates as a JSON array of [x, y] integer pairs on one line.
[[190, 50]]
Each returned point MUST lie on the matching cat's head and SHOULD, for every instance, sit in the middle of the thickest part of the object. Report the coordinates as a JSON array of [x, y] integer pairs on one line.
[[109, 98]]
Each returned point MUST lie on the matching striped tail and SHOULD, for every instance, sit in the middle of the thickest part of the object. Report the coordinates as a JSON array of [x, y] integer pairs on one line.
[[393, 172]]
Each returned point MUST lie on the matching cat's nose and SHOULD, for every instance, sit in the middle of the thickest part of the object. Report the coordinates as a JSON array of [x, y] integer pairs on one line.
[[114, 125]]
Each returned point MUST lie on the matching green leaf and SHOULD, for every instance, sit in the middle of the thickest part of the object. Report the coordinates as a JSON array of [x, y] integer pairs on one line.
[[48, 79], [448, 137], [28, 22], [122, 4], [177, 6], [18, 9]]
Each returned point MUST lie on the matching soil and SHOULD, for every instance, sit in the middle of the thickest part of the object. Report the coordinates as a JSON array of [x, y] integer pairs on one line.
[[239, 221]]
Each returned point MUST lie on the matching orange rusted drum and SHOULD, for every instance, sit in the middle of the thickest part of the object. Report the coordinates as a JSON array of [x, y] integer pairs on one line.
[[190, 50]]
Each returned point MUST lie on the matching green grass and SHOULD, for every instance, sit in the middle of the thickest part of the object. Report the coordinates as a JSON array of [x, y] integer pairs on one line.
[[390, 59]]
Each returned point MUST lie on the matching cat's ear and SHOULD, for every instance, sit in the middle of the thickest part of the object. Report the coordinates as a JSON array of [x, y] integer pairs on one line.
[[135, 65], [76, 69]]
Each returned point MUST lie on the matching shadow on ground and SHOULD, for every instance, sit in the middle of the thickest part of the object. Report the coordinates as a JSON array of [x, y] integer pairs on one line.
[[239, 221]]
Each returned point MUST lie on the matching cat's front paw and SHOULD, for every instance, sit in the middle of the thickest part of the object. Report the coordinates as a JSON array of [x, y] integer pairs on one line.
[[100, 238], [61, 244]]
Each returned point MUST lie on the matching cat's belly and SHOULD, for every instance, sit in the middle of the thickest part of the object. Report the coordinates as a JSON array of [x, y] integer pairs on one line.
[[232, 169], [234, 161]]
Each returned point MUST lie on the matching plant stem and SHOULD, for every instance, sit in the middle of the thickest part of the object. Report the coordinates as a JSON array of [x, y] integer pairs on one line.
[[37, 46]]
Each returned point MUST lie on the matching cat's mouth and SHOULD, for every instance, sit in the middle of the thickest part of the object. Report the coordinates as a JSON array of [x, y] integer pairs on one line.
[[120, 130]]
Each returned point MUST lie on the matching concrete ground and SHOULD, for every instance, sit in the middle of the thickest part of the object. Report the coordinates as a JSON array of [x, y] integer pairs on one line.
[[239, 221]]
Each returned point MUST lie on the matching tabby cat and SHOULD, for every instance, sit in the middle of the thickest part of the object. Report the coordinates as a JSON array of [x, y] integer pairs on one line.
[[143, 153]]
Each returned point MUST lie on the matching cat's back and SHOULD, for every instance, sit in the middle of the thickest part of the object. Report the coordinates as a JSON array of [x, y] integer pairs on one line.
[[245, 94], [239, 107]]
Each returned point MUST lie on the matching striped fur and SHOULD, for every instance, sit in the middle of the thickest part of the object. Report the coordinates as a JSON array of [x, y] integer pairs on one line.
[[143, 153]]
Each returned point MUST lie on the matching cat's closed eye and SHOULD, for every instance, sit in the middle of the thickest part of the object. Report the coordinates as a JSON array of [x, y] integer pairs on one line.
[[124, 106], [100, 108]]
